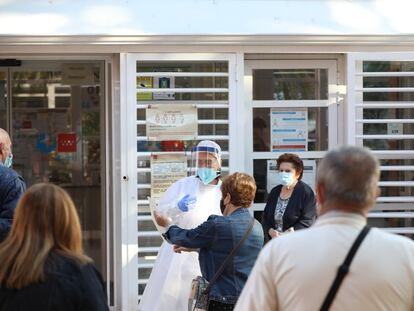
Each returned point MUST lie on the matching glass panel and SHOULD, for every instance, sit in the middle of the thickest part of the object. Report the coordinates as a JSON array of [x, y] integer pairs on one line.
[[57, 138], [389, 144], [264, 174], [290, 84], [390, 113], [386, 66], [388, 96], [388, 128], [390, 222], [369, 82], [317, 139], [397, 175], [3, 99], [146, 225], [396, 191], [182, 66], [181, 96], [182, 82], [385, 162]]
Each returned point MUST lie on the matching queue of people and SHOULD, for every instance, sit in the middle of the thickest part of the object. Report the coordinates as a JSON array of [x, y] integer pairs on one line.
[[212, 257]]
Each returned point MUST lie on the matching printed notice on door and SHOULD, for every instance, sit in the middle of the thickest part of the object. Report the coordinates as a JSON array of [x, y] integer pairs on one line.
[[172, 122], [165, 170], [289, 129]]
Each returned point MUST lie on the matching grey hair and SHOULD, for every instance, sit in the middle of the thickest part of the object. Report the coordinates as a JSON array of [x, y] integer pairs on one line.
[[349, 175]]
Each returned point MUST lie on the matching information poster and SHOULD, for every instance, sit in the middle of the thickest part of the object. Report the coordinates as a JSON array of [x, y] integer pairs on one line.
[[309, 174], [164, 83], [144, 83], [165, 170], [171, 122], [289, 129]]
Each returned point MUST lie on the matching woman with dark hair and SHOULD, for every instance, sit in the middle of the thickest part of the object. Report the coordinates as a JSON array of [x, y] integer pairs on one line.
[[292, 204], [43, 266]]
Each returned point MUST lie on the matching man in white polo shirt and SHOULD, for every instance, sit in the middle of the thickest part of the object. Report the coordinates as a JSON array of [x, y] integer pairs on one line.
[[296, 271]]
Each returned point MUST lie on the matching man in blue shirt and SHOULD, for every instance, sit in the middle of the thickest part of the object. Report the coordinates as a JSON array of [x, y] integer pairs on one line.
[[12, 186]]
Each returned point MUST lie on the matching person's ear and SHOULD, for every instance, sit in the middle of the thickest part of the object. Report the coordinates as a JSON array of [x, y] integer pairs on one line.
[[320, 191], [227, 199]]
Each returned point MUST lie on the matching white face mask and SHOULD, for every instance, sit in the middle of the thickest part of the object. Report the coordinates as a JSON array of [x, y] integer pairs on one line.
[[286, 178]]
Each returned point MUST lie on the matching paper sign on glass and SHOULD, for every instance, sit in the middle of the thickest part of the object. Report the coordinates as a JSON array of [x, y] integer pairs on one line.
[[165, 170], [172, 122], [289, 129]]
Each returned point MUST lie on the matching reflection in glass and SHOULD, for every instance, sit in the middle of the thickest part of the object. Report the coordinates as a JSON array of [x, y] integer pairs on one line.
[[386, 66], [396, 191], [182, 66], [57, 138], [391, 222], [3, 100], [387, 96], [290, 84], [397, 175], [317, 129], [389, 113], [389, 144], [169, 81], [388, 128]]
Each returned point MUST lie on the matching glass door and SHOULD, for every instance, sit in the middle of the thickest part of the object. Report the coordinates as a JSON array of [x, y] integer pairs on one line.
[[57, 117], [292, 107], [3, 98]]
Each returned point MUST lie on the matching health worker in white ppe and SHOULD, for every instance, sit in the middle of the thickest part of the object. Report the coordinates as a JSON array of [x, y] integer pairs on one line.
[[188, 202]]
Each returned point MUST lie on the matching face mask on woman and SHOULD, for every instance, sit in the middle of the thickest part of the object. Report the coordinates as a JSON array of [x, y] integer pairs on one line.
[[286, 178]]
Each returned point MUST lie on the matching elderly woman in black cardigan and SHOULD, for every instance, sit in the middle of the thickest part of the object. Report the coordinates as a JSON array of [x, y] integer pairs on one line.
[[292, 204]]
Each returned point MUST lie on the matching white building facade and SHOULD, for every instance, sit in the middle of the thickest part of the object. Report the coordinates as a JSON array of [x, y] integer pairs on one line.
[[76, 103]]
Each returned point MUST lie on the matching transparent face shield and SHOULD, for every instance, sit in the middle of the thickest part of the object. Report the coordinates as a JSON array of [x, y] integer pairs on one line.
[[205, 163]]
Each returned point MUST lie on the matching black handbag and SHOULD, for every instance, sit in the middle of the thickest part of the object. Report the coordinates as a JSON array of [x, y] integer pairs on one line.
[[200, 287]]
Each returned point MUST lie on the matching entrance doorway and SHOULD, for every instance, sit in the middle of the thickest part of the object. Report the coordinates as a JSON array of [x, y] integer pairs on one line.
[[54, 112], [292, 107]]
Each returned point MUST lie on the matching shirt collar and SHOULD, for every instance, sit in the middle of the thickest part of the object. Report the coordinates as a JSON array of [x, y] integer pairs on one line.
[[340, 217]]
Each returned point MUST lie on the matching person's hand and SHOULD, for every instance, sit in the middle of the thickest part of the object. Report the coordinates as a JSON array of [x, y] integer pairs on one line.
[[161, 220], [178, 249], [273, 233], [186, 203]]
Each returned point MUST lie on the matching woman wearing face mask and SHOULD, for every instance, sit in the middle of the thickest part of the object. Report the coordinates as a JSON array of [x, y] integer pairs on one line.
[[218, 236], [292, 204]]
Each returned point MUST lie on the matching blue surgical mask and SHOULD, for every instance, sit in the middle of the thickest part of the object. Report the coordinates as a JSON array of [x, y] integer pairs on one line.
[[207, 175], [9, 160], [286, 178]]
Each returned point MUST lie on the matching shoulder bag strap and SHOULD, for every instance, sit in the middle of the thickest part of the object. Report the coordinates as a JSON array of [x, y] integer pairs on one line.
[[343, 270], [230, 256]]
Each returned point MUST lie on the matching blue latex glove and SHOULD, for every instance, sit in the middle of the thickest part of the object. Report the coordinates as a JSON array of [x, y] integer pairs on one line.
[[186, 203]]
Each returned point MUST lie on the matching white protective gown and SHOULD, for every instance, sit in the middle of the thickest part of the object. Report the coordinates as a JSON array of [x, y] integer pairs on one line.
[[168, 287]]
